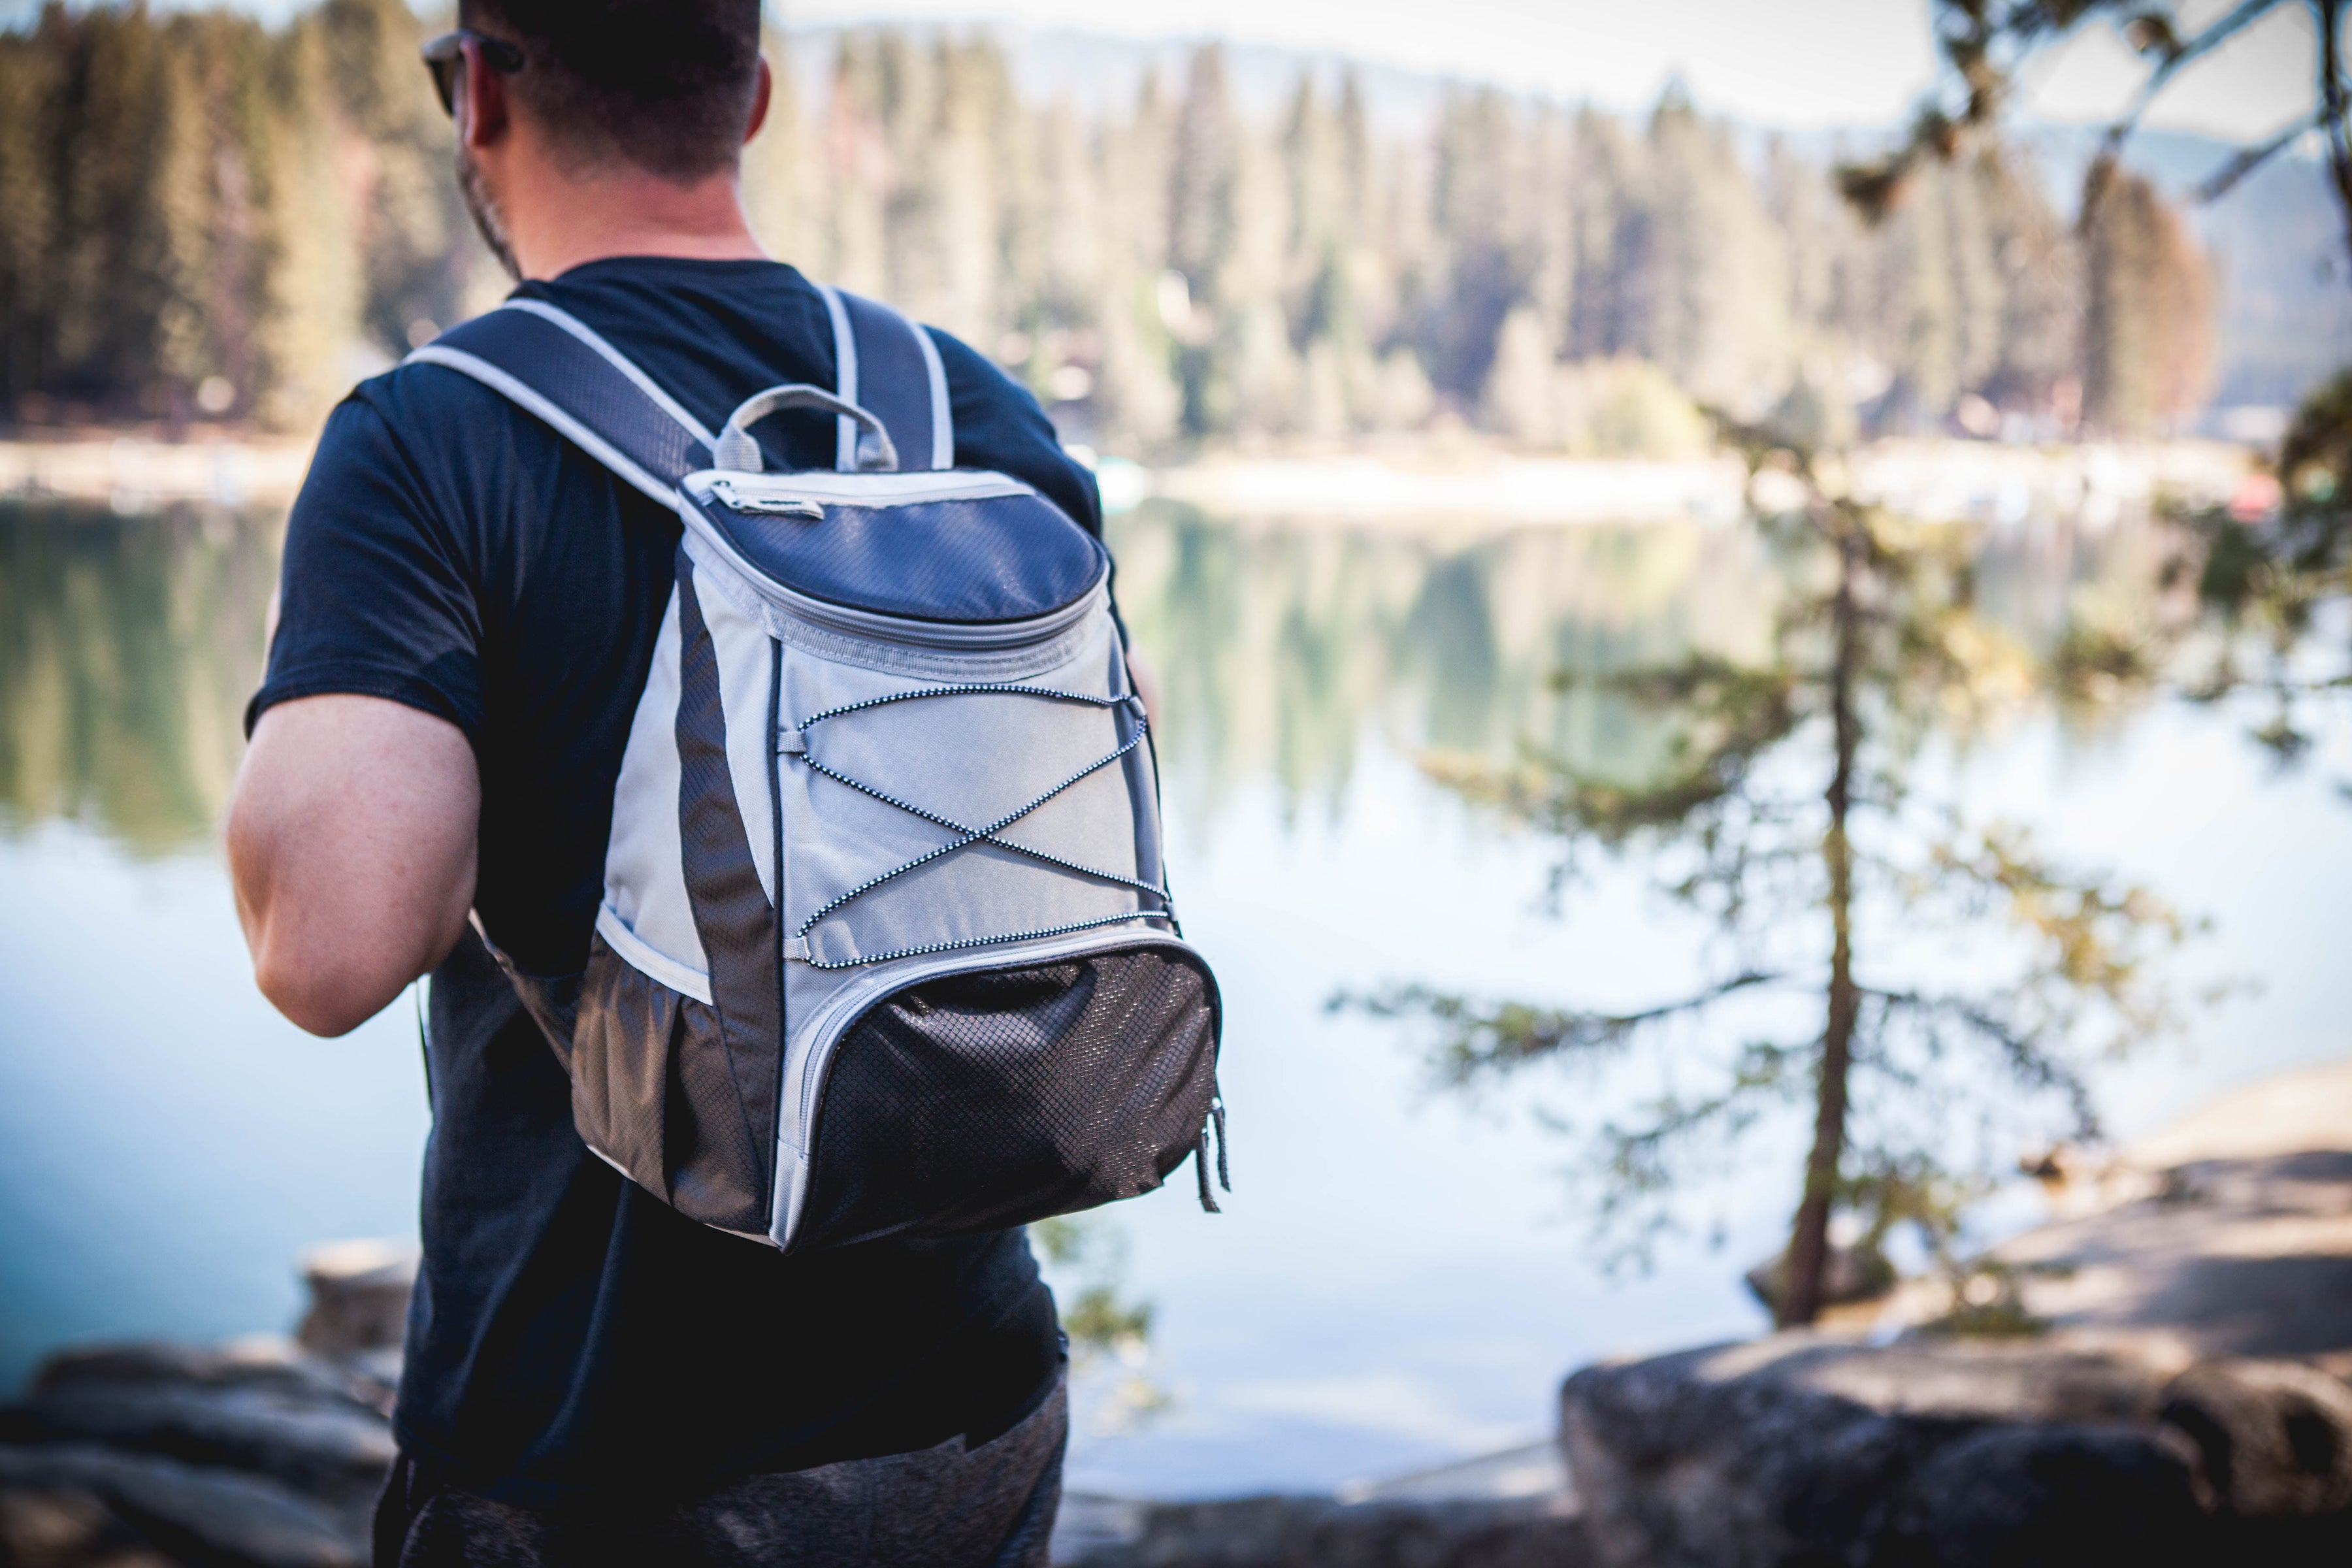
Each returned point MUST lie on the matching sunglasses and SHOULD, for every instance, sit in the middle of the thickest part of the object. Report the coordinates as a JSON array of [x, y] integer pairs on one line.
[[445, 57]]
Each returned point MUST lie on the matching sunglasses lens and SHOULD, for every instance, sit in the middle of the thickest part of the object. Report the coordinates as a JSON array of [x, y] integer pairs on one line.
[[445, 82]]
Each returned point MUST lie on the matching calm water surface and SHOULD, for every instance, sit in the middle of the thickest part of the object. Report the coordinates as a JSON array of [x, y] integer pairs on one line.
[[1398, 1280]]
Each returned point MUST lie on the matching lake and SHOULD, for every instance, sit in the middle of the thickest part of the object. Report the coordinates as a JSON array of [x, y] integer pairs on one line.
[[1401, 1278]]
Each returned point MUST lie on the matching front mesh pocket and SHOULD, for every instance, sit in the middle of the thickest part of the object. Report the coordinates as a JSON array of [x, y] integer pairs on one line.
[[981, 1101]]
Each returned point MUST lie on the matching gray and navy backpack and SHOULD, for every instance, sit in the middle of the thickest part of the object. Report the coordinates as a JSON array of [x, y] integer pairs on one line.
[[887, 946]]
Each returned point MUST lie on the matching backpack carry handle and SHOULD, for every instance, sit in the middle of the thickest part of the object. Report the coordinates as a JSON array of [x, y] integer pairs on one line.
[[736, 451]]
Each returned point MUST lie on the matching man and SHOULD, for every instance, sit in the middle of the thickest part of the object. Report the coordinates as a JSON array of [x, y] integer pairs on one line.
[[469, 607]]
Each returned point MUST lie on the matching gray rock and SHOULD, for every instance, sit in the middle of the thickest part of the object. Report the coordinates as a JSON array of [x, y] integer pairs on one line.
[[237, 1520], [66, 1526], [2273, 1444], [2047, 1496], [1795, 1449], [1318, 1532], [260, 1406], [359, 1297], [337, 1453]]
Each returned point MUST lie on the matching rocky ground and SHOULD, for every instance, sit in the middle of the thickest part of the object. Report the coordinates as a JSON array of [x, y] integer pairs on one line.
[[2168, 1390], [266, 1453]]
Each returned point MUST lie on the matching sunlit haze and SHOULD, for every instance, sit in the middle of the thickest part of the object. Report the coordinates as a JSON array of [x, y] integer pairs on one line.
[[1799, 63], [1810, 63]]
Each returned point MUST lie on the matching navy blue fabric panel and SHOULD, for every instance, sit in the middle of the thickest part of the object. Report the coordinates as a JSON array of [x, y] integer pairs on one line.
[[894, 380], [1005, 558], [737, 927], [585, 384]]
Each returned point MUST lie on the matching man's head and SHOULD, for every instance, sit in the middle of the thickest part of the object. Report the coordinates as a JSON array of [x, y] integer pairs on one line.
[[668, 88]]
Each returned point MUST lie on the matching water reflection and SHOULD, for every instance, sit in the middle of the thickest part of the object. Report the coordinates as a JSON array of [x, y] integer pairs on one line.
[[1283, 650], [128, 646]]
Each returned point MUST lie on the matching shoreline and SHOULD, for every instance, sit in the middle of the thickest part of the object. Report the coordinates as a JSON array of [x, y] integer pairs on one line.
[[1460, 486]]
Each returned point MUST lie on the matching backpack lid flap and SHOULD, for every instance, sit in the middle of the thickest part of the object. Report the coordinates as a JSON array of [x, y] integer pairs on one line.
[[959, 547]]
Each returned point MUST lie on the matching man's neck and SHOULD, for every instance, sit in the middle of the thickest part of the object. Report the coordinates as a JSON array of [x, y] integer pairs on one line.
[[565, 223]]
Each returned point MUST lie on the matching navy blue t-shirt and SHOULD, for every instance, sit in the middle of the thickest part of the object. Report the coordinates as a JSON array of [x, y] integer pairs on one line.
[[569, 1332]]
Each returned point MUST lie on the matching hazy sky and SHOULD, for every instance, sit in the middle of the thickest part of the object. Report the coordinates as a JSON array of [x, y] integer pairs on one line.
[[1775, 62], [1780, 62]]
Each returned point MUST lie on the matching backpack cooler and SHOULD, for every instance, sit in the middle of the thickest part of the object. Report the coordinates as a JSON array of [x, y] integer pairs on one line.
[[886, 946]]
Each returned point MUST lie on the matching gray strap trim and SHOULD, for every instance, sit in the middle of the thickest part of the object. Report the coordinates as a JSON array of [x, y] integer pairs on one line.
[[587, 440], [845, 377], [942, 419], [616, 359]]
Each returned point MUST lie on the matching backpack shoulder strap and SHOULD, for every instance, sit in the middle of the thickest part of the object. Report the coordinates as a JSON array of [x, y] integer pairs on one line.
[[548, 362], [890, 365]]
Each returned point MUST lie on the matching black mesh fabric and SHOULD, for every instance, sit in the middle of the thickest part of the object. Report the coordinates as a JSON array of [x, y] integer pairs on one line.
[[1006, 558], [986, 1100]]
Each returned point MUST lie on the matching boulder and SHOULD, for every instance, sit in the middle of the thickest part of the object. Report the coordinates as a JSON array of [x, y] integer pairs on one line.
[[339, 1455], [2273, 1438], [1318, 1532], [1797, 1449], [59, 1526], [359, 1297], [2026, 1496], [2272, 1443], [259, 1406], [73, 1502]]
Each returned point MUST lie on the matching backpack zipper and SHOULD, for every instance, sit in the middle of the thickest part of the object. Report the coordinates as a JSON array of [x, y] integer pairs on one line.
[[726, 495]]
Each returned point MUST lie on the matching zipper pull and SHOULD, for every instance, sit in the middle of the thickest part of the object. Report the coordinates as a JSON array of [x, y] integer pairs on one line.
[[1217, 1115], [1200, 1168], [725, 492]]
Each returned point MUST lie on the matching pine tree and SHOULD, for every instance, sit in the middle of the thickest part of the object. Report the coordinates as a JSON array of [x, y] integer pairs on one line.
[[311, 283], [2147, 329], [28, 212]]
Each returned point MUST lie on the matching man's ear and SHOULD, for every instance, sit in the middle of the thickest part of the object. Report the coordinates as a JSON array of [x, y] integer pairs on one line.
[[761, 96], [482, 119]]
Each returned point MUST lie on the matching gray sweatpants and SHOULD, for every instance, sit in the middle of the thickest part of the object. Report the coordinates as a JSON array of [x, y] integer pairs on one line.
[[949, 1506]]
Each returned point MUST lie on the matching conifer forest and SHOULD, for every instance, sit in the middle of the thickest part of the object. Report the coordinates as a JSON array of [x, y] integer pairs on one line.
[[202, 217]]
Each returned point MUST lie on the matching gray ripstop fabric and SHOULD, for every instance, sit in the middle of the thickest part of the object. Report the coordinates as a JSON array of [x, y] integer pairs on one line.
[[738, 930]]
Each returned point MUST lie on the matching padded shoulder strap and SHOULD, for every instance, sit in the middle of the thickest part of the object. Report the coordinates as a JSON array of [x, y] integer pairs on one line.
[[548, 363], [889, 366]]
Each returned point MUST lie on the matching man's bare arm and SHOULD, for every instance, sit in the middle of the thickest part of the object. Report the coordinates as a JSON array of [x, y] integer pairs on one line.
[[351, 843]]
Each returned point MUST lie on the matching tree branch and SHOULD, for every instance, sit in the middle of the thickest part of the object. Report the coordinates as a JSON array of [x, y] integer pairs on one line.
[[2225, 179], [1497, 1037]]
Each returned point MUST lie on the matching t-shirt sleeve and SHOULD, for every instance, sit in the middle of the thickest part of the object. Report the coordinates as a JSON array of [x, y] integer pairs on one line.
[[373, 599], [999, 425]]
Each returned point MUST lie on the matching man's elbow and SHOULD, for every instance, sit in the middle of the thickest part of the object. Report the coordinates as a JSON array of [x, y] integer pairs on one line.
[[324, 992]]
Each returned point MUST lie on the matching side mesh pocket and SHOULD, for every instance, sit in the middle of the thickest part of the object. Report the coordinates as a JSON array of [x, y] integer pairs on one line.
[[986, 1100], [653, 1090]]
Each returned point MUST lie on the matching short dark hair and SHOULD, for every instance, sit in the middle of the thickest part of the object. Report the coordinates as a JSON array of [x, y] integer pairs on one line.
[[667, 85]]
